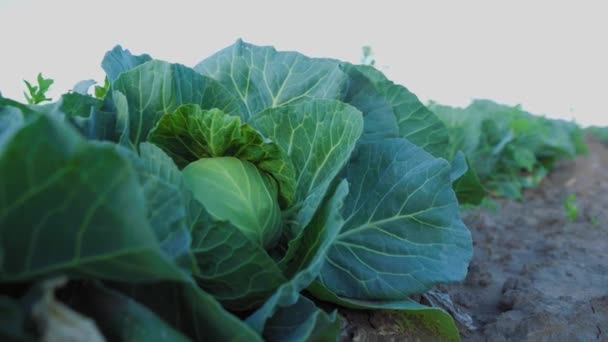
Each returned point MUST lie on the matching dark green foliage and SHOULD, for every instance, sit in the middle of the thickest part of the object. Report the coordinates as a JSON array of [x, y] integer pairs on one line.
[[509, 148]]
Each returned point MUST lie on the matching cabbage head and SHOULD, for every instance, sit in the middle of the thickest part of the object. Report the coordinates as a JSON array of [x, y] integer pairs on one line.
[[234, 190]]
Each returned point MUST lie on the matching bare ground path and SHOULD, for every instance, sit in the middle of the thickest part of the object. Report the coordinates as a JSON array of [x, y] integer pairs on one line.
[[536, 276]]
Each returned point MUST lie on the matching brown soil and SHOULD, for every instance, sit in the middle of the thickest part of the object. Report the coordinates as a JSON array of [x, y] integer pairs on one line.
[[535, 275]]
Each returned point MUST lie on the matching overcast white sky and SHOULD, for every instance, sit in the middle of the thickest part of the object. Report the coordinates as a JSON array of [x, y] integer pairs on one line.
[[549, 56]]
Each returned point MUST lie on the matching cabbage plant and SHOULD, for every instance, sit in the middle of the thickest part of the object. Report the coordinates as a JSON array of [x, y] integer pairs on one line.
[[509, 148], [226, 200]]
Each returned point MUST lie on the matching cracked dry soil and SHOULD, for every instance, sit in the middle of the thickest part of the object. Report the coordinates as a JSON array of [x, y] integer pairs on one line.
[[535, 276]]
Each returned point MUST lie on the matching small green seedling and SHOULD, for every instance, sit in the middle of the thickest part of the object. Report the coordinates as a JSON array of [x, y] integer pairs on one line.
[[571, 207], [595, 221], [490, 204], [37, 93]]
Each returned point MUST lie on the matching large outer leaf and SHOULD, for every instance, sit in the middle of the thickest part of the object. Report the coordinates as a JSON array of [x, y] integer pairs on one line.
[[190, 133], [403, 232], [11, 119], [464, 128], [121, 318], [71, 206], [319, 137], [88, 114], [119, 60], [79, 105], [416, 122], [303, 263], [263, 77], [161, 182], [380, 120], [423, 321], [12, 321], [82, 87], [155, 88], [211, 322], [465, 181], [390, 110], [303, 321], [191, 310], [234, 269], [122, 130]]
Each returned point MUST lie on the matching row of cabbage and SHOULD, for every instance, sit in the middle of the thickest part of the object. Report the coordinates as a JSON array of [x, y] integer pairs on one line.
[[509, 149], [599, 132], [246, 198]]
